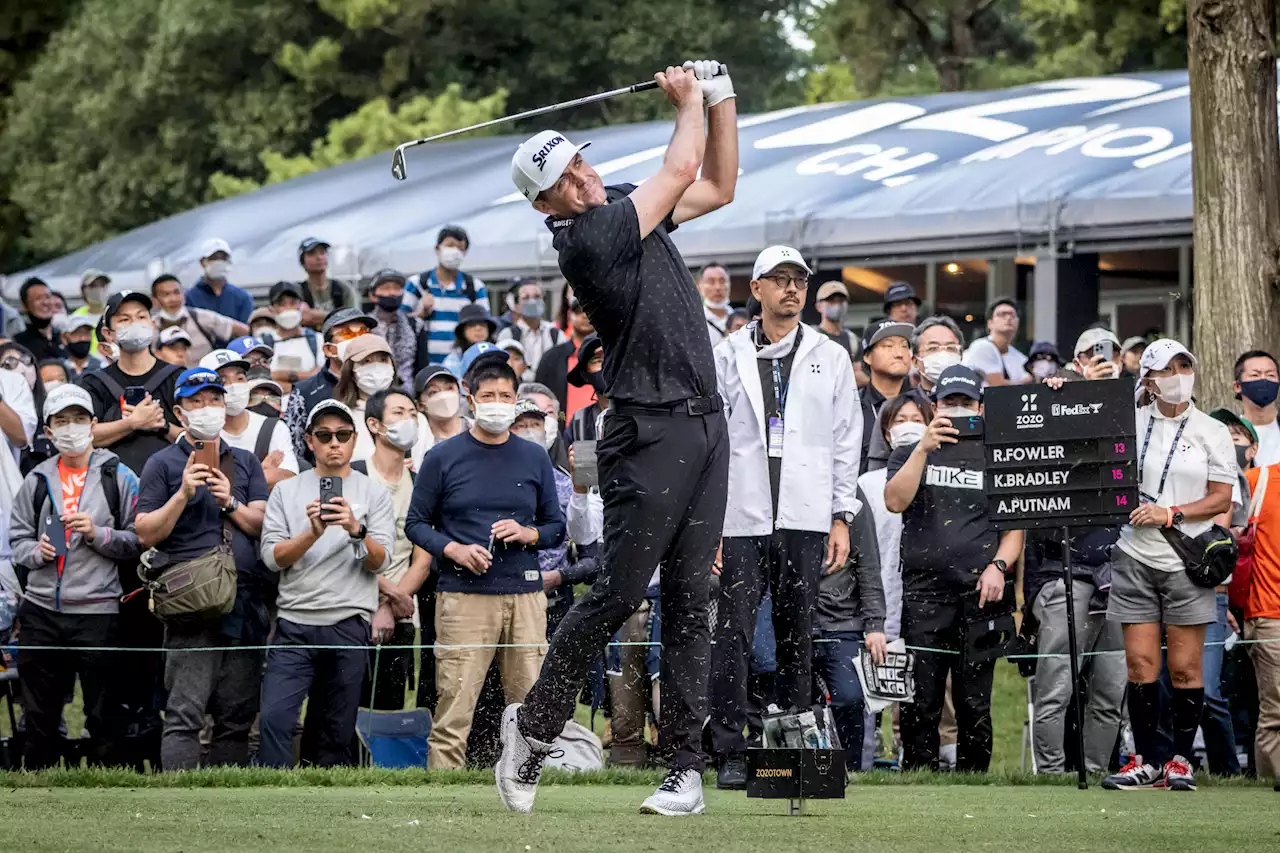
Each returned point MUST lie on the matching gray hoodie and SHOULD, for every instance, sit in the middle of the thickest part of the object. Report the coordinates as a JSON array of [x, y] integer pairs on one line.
[[852, 598], [329, 583], [90, 581]]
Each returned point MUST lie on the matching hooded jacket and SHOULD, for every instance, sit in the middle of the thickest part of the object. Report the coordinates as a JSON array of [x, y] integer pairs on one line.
[[90, 580]]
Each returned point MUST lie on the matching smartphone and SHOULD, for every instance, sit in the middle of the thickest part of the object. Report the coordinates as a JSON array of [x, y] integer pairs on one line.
[[330, 488], [1106, 349], [968, 427], [134, 394], [57, 534], [206, 453], [586, 474]]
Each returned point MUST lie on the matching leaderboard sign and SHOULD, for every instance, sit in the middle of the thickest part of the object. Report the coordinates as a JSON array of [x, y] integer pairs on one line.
[[1061, 458]]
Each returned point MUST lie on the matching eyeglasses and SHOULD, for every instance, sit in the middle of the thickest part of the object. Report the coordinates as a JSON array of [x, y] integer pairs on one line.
[[801, 282], [325, 436], [14, 360], [930, 349]]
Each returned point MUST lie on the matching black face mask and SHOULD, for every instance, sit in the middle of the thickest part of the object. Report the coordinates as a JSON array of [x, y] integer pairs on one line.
[[266, 410], [79, 349], [389, 303], [597, 381], [39, 322], [1244, 463]]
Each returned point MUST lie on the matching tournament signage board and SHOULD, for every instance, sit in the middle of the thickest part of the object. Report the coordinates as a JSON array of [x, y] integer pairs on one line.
[[1060, 458]]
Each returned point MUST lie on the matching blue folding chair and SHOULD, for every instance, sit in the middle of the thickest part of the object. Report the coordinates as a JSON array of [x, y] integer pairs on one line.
[[393, 739]]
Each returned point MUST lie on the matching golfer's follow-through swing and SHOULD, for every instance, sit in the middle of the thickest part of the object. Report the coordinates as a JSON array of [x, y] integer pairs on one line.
[[664, 453]]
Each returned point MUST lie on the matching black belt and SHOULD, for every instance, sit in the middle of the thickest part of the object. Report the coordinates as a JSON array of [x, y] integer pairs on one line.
[[693, 407]]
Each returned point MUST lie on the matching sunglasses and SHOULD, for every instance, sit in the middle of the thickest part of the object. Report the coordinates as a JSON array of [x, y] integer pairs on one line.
[[196, 381], [348, 334], [325, 436]]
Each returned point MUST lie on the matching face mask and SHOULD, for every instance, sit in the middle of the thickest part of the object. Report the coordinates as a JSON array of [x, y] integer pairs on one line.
[[73, 439], [1242, 458], [27, 373], [935, 362], [95, 296], [266, 409], [1175, 390], [389, 304], [495, 418], [264, 332], [237, 398], [1260, 392], [136, 337], [49, 386], [217, 270], [290, 319], [106, 352], [451, 257], [372, 378], [403, 434], [533, 436], [532, 309], [171, 318], [1043, 368], [79, 349], [905, 433], [205, 424], [716, 306], [597, 381], [39, 322], [550, 431], [956, 412], [443, 405], [835, 313]]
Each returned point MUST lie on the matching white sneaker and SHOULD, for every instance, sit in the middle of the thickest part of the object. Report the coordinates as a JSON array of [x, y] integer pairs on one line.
[[1137, 775], [519, 765], [679, 794], [1178, 775]]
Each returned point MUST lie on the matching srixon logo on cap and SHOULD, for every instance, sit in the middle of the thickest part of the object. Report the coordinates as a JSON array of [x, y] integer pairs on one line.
[[540, 156]]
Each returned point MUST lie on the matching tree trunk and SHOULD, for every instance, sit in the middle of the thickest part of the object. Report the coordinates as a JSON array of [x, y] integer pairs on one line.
[[1236, 182]]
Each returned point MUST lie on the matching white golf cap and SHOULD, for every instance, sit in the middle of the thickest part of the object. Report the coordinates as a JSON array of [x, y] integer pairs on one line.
[[1157, 355], [65, 397], [223, 358], [217, 244], [1090, 338], [775, 256], [173, 335], [541, 160]]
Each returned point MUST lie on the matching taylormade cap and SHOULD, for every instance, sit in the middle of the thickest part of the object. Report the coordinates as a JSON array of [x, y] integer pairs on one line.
[[541, 160], [65, 397], [775, 256], [1090, 338], [958, 379]]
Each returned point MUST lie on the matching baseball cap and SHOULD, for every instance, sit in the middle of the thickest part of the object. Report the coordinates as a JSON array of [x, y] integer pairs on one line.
[[900, 291], [193, 380], [91, 275], [65, 397], [114, 303], [832, 288], [1158, 354], [309, 243], [1226, 416], [386, 275], [1045, 348], [512, 345], [220, 358], [330, 407], [877, 332], [78, 321], [358, 349], [958, 379], [217, 244], [528, 407], [1130, 343], [174, 335], [774, 257], [428, 373], [590, 345], [342, 316], [281, 288], [262, 314], [483, 351], [266, 382], [1090, 338], [541, 160], [247, 344]]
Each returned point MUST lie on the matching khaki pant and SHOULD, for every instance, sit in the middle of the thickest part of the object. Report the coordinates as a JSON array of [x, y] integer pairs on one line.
[[1266, 664], [630, 691], [467, 619]]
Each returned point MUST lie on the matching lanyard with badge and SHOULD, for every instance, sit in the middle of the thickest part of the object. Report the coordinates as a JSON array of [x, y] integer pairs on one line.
[[776, 425], [1164, 473]]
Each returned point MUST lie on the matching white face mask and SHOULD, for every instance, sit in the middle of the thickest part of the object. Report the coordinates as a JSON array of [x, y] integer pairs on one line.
[[451, 257], [403, 434], [372, 378], [495, 418], [136, 337], [171, 318], [716, 306], [1043, 368], [905, 433], [550, 431], [205, 424], [264, 332], [49, 386], [935, 362], [218, 270], [533, 436], [236, 398], [28, 373], [72, 439], [95, 295], [1176, 389], [443, 405], [290, 319], [956, 412]]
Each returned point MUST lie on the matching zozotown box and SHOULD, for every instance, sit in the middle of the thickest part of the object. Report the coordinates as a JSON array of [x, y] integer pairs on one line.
[[795, 774]]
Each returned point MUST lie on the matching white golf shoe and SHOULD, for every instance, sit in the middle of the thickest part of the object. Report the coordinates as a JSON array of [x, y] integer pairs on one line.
[[680, 794], [519, 765]]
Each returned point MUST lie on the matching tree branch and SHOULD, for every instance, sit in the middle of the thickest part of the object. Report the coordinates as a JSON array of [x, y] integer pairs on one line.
[[978, 10], [927, 42]]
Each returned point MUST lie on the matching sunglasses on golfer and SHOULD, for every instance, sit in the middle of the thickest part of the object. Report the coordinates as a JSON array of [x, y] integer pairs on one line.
[[325, 436]]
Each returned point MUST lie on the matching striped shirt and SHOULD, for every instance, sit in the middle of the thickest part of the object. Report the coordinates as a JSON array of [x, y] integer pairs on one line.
[[444, 316]]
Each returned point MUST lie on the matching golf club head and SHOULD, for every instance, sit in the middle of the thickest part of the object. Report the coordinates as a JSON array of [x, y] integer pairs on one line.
[[397, 164]]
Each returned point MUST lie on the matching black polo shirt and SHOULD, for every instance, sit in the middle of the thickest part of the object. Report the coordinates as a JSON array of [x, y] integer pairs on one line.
[[642, 301], [136, 448]]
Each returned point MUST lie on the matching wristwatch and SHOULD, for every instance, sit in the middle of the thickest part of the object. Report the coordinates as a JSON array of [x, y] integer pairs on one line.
[[231, 507], [360, 534], [1175, 516], [1000, 564], [846, 517]]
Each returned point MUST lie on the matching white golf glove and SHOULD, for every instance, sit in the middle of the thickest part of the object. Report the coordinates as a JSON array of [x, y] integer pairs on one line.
[[713, 77]]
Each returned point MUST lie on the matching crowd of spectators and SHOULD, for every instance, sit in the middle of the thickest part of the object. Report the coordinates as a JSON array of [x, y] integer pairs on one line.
[[399, 465]]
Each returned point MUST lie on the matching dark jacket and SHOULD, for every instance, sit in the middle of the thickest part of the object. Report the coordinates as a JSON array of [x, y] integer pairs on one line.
[[553, 370], [852, 598], [302, 399]]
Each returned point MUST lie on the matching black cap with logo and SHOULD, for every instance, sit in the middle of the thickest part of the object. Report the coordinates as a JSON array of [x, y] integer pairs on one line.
[[958, 379]]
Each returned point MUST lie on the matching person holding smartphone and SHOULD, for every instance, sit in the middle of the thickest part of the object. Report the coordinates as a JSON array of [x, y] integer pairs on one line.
[[1097, 355]]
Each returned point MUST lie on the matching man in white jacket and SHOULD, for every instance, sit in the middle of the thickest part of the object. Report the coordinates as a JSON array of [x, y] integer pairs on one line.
[[795, 437]]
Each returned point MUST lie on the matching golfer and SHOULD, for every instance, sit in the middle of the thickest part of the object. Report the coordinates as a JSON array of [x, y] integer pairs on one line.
[[664, 453]]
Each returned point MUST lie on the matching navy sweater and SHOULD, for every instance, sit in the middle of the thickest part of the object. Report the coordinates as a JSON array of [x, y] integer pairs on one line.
[[463, 487]]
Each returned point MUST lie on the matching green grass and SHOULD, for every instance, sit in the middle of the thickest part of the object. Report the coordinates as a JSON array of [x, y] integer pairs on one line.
[[463, 818]]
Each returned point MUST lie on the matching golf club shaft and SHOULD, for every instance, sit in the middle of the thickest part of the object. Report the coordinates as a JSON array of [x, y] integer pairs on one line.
[[589, 99]]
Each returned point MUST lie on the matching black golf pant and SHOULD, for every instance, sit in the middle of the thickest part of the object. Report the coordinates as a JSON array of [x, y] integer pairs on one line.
[[789, 565], [664, 479], [941, 626]]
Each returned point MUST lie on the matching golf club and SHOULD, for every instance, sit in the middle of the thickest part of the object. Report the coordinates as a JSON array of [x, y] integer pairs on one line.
[[397, 159]]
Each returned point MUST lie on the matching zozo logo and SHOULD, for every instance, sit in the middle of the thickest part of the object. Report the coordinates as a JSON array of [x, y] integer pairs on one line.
[[1029, 402]]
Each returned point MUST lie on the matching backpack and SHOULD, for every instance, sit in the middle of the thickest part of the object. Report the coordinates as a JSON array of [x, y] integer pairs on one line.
[[117, 390], [110, 489], [362, 466], [468, 284], [262, 446], [517, 334]]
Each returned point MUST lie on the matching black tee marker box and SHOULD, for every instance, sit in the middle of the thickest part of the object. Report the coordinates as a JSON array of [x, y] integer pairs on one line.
[[796, 774]]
